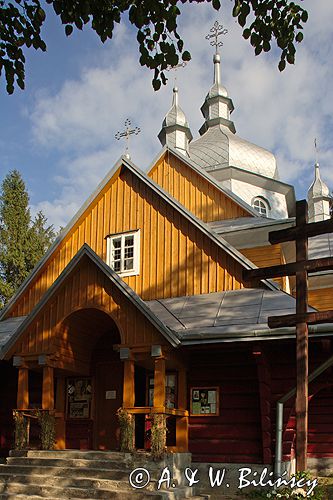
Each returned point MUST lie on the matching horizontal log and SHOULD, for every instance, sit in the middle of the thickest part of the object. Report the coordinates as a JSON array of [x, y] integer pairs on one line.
[[306, 230], [311, 318], [314, 265]]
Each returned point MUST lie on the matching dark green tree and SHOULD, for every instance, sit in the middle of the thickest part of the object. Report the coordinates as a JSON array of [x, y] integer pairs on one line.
[[155, 22], [23, 241]]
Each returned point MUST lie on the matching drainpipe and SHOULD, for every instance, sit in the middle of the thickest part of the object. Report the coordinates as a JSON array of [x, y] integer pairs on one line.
[[279, 415], [278, 441]]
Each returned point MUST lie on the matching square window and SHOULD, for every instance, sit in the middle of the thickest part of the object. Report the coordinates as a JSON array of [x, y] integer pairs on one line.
[[123, 253]]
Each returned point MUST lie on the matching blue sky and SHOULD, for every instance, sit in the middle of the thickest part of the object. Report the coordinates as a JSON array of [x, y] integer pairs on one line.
[[59, 132]]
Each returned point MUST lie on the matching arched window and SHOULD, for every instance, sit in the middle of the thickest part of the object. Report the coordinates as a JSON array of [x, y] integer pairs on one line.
[[261, 205]]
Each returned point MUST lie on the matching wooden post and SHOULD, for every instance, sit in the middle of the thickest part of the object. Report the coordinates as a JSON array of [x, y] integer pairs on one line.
[[128, 384], [182, 423], [159, 383], [60, 404], [48, 388], [300, 234], [23, 388], [302, 353]]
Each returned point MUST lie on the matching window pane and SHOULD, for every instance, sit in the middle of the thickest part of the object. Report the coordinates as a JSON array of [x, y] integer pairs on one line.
[[129, 252], [116, 266], [128, 264], [129, 241], [116, 243], [116, 254]]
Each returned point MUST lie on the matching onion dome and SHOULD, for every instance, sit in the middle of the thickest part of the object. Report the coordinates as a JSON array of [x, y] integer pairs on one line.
[[318, 198], [175, 130], [219, 146]]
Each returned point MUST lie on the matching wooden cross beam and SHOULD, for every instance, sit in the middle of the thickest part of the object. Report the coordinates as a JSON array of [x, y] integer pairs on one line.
[[300, 234]]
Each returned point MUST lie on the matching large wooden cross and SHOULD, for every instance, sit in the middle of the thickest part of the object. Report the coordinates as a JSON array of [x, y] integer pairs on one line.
[[300, 234]]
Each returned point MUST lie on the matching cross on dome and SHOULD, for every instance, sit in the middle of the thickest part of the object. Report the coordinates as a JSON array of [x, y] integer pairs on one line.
[[216, 31]]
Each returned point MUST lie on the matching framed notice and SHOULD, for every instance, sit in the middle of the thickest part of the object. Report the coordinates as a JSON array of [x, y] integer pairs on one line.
[[79, 395], [204, 401]]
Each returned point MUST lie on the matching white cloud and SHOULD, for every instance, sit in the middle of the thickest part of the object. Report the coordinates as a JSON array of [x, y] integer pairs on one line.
[[283, 112]]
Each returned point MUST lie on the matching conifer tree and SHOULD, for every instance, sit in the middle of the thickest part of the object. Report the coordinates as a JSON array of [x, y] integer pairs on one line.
[[23, 241]]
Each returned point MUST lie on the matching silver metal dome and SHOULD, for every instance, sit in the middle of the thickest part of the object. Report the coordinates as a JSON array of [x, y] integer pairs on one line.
[[318, 188], [219, 145]]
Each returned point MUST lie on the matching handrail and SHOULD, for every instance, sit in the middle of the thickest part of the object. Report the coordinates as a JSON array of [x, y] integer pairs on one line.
[[136, 410]]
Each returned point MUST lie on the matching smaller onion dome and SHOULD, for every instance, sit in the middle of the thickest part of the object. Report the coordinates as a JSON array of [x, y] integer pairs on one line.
[[318, 188], [175, 130], [319, 198]]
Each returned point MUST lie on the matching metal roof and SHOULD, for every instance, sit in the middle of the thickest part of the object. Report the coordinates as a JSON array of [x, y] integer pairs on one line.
[[243, 223], [8, 328], [230, 314], [220, 147], [321, 246]]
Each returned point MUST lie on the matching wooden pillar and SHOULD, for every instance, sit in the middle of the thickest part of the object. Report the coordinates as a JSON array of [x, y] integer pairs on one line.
[[182, 423], [48, 388], [128, 384], [23, 388], [159, 383], [302, 352], [60, 403]]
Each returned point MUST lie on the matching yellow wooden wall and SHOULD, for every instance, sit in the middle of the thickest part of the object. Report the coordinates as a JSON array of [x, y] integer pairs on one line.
[[176, 258], [193, 191], [321, 299], [266, 256], [85, 287]]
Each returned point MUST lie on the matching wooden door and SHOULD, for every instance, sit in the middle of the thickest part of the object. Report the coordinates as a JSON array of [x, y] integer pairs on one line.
[[108, 398]]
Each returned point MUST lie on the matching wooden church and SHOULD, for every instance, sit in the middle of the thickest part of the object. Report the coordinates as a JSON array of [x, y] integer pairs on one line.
[[140, 303]]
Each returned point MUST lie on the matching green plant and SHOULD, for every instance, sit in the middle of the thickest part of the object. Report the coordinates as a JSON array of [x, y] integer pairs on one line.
[[292, 492], [127, 424], [21, 430], [158, 435], [46, 421]]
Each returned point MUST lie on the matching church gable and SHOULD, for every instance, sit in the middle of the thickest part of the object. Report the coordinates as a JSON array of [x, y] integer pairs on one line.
[[60, 327], [200, 196], [176, 256]]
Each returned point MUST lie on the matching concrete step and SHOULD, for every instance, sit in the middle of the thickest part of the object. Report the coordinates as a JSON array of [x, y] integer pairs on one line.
[[70, 454], [108, 474], [70, 481], [121, 495], [70, 462], [71, 492], [91, 475]]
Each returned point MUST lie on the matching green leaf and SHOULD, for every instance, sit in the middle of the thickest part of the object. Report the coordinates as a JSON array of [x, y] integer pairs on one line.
[[156, 84], [216, 4], [304, 16], [299, 37], [186, 56], [68, 29], [282, 65], [247, 33], [291, 58]]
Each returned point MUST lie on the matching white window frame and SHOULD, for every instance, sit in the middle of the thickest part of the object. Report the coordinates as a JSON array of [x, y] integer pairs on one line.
[[136, 252], [261, 199]]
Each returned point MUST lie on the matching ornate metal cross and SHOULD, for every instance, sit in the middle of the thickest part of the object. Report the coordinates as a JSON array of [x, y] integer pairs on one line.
[[127, 132], [216, 31]]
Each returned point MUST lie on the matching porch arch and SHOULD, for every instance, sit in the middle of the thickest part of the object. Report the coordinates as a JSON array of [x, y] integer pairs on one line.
[[79, 332]]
